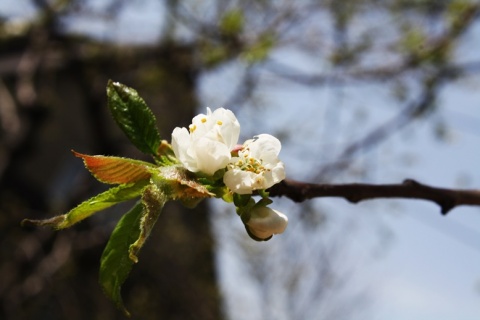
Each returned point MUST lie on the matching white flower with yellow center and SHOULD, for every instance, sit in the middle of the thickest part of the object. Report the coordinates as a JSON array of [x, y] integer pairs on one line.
[[256, 167], [205, 147]]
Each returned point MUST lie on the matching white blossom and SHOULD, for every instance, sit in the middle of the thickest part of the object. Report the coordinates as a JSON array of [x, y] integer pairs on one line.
[[256, 167], [206, 146], [265, 222]]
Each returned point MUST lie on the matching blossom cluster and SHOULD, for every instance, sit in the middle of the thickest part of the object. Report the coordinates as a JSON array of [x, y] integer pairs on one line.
[[210, 147]]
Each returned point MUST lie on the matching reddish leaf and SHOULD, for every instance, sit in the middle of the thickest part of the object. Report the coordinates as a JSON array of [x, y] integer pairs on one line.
[[115, 170]]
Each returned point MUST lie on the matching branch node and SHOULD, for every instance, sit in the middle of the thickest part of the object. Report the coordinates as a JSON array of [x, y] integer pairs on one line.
[[446, 207], [411, 182], [353, 199]]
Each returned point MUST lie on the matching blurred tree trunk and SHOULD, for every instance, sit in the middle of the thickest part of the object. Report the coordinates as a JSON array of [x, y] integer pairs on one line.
[[56, 88]]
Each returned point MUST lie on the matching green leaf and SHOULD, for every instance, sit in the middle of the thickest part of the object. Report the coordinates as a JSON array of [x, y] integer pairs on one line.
[[166, 155], [213, 54], [232, 22], [126, 241], [260, 50], [87, 208], [153, 200], [134, 117], [242, 200], [116, 170], [115, 264]]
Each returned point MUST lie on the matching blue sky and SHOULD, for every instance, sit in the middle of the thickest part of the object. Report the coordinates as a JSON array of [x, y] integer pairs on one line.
[[430, 266]]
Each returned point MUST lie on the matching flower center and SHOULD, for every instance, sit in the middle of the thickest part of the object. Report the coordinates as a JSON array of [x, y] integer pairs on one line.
[[193, 127], [250, 164]]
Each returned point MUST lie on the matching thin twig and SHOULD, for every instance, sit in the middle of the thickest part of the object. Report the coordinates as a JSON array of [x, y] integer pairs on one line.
[[382, 132], [447, 199]]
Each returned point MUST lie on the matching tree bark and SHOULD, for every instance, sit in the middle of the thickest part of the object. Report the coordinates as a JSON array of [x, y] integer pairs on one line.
[[54, 274], [446, 199]]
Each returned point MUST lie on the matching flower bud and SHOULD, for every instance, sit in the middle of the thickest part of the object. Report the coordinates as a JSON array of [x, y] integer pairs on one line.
[[264, 222]]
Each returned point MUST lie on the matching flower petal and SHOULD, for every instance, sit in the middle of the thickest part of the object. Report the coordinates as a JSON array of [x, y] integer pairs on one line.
[[206, 146], [211, 155], [239, 181], [181, 143], [256, 167], [265, 146], [227, 126]]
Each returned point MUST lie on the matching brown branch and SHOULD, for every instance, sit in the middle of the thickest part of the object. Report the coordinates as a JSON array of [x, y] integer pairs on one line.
[[447, 199]]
